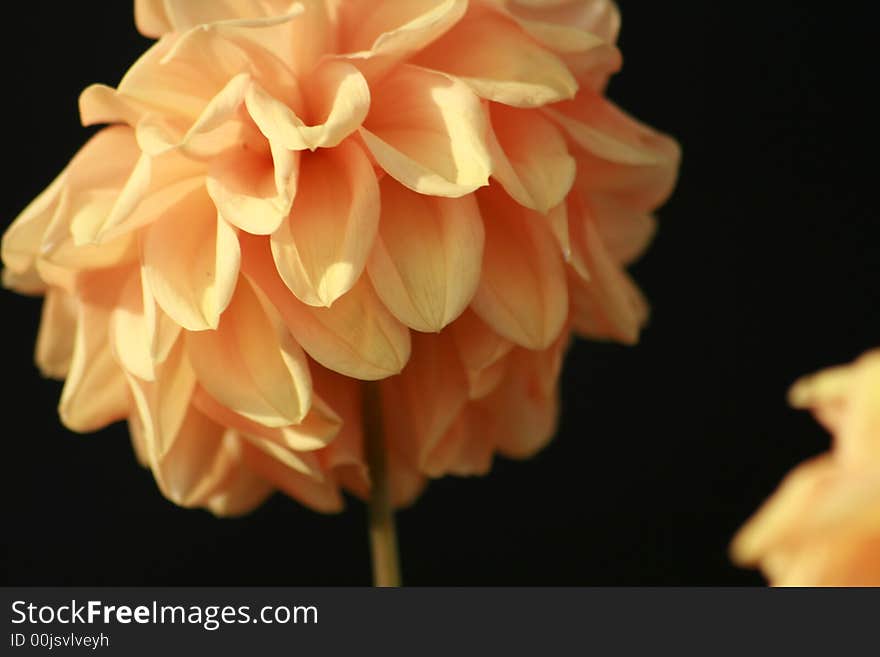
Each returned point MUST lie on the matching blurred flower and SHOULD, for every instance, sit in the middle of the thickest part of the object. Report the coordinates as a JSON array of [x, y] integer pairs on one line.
[[294, 198], [822, 527]]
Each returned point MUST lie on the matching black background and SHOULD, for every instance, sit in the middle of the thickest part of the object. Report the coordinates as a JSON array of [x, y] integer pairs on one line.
[[765, 268]]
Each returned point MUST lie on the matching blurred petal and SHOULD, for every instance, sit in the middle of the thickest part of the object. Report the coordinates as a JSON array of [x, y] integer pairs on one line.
[[320, 495], [607, 133], [151, 18], [481, 351], [426, 264], [428, 131], [522, 293], [94, 393], [251, 364], [421, 403], [608, 305], [322, 248], [56, 338]]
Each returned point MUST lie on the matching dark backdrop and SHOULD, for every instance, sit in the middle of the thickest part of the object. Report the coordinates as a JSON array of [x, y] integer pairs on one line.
[[765, 268]]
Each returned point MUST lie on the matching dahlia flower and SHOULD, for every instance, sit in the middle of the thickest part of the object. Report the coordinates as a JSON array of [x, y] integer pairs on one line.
[[292, 199], [822, 527]]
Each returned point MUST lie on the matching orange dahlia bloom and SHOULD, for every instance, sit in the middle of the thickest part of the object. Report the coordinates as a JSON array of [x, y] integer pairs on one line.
[[822, 527], [294, 198]]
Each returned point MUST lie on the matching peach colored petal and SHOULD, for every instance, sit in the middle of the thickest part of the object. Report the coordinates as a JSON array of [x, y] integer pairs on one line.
[[526, 410], [428, 131], [251, 364], [151, 18], [379, 36], [820, 528], [357, 336], [200, 462], [522, 294], [161, 405], [59, 246], [846, 400], [605, 131], [572, 26], [152, 185], [82, 194], [318, 428], [322, 248], [192, 273], [626, 233], [339, 101], [253, 192], [141, 335], [201, 465], [420, 404], [608, 305], [94, 393], [500, 62], [426, 264], [533, 165], [344, 455], [24, 237], [481, 351], [322, 496], [56, 337]]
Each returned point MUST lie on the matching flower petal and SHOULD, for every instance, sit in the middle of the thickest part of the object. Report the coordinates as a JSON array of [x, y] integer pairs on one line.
[[251, 364], [380, 35], [522, 293], [500, 62], [608, 305], [94, 393], [161, 405], [608, 133], [141, 335], [357, 336], [530, 158], [151, 18], [339, 99], [56, 337], [318, 428], [251, 191], [192, 273], [429, 132], [321, 495], [420, 404], [426, 264], [322, 248], [481, 351]]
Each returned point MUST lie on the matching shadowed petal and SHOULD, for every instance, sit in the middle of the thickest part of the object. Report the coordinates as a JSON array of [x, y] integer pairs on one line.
[[530, 158], [251, 364], [322, 248], [522, 293], [426, 264], [357, 336], [94, 393]]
